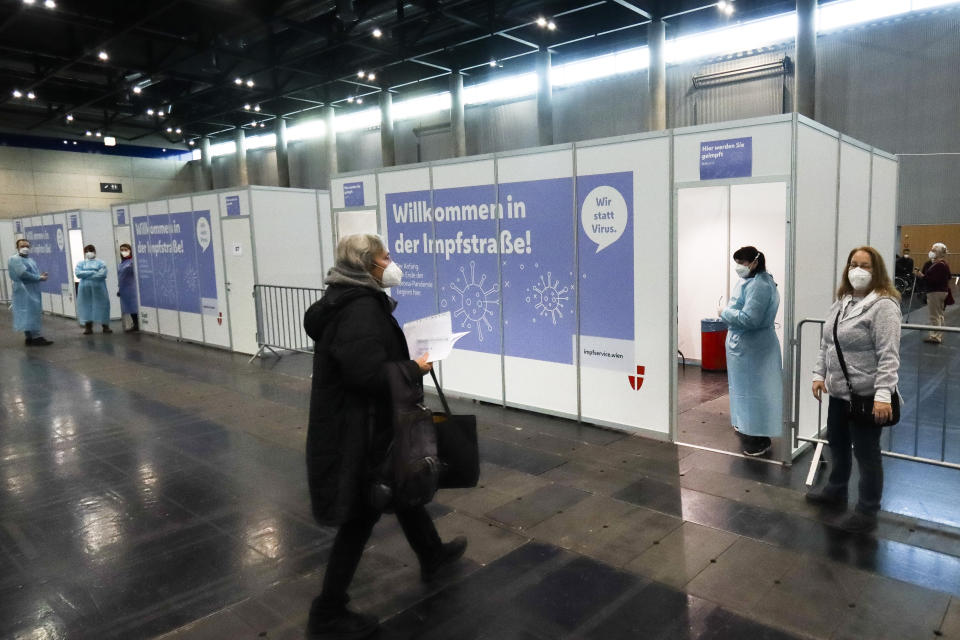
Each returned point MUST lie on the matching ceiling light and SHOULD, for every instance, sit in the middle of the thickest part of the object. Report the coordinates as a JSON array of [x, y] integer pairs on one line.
[[262, 125], [376, 32], [50, 4], [137, 90], [69, 117], [109, 141], [149, 112], [179, 130], [237, 81], [98, 134], [257, 108], [551, 26], [250, 83], [17, 94], [253, 124], [246, 107], [31, 2], [493, 63], [359, 100], [371, 77], [74, 142], [722, 4], [169, 129], [88, 133], [729, 9], [64, 142], [31, 95], [191, 143], [103, 56], [541, 21], [160, 113], [350, 99], [361, 74]]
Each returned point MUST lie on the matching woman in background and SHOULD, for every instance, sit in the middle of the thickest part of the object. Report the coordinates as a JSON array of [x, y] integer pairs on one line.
[[127, 287]]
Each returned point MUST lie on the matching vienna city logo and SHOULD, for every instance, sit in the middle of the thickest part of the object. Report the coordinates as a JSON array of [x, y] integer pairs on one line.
[[637, 381]]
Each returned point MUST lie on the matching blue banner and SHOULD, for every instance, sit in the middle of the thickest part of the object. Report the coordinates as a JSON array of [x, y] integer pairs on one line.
[[233, 205], [48, 249], [353, 194], [410, 230], [74, 220], [606, 255], [726, 159], [121, 217], [539, 297]]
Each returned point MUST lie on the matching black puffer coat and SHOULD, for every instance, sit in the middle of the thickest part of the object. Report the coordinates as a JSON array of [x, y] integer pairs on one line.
[[357, 340]]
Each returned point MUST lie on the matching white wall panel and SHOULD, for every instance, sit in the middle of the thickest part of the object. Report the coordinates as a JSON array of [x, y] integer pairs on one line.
[[285, 225], [216, 326], [883, 209], [854, 207], [771, 149], [325, 221]]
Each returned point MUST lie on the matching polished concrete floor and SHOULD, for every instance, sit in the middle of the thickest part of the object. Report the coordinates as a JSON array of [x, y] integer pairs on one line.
[[149, 488]]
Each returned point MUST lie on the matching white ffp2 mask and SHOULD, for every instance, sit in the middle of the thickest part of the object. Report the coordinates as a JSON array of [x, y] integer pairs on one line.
[[742, 270], [24, 251], [392, 276], [859, 278], [932, 255], [90, 255]]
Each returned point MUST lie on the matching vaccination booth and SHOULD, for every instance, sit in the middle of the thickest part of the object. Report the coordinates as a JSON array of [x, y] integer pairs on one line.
[[57, 240], [580, 271], [199, 256]]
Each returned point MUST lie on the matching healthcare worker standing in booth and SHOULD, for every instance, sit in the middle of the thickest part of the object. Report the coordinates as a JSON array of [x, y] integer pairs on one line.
[[127, 288], [27, 307], [93, 302], [754, 361]]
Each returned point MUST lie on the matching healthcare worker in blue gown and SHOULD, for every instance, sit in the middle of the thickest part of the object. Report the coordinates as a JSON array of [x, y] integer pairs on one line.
[[754, 363], [27, 307], [127, 287], [93, 302]]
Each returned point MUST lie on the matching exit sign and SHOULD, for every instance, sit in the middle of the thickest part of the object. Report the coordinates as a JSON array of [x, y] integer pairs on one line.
[[111, 187]]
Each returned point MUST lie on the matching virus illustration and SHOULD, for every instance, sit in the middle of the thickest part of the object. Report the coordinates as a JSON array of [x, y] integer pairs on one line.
[[548, 298], [477, 305], [191, 280]]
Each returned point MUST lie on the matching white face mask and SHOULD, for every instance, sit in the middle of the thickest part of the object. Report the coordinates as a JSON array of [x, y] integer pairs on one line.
[[742, 270], [124, 254], [392, 276], [859, 278], [24, 251], [90, 255], [932, 255]]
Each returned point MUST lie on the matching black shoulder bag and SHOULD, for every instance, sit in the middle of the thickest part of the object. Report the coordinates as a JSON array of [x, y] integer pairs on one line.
[[456, 446], [861, 407]]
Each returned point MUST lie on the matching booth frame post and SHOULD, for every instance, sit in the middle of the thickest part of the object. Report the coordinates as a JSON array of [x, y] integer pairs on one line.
[[789, 282], [576, 270], [673, 394]]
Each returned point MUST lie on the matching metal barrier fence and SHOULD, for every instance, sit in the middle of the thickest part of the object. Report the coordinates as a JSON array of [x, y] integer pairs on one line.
[[923, 433], [4, 286], [280, 318]]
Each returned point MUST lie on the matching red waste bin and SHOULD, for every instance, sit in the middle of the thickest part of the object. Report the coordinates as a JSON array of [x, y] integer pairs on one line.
[[713, 350]]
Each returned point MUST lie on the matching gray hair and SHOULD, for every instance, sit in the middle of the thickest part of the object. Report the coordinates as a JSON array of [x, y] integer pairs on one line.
[[940, 249], [359, 251]]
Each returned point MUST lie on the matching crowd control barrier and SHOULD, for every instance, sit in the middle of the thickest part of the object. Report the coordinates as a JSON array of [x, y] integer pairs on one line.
[[280, 318], [924, 433]]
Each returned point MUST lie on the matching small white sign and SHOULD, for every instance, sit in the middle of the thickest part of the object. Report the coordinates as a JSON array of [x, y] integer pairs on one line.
[[237, 249]]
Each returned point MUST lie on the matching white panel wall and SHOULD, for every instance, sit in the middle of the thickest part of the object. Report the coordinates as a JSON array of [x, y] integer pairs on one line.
[[216, 327], [815, 278], [883, 209], [325, 218], [854, 206], [7, 249], [97, 227], [771, 149], [285, 233], [148, 315]]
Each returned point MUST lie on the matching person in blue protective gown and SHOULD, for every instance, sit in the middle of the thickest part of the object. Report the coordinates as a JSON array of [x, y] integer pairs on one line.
[[93, 302], [754, 362], [27, 307], [127, 288]]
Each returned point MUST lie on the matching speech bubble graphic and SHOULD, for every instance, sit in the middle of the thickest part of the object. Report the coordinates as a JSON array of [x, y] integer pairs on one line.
[[203, 233], [604, 216], [60, 240]]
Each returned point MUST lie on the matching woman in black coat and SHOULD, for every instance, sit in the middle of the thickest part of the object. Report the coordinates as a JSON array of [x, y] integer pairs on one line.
[[357, 341]]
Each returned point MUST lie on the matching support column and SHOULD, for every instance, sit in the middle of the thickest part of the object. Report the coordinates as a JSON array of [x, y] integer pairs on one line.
[[544, 99], [206, 164], [805, 71], [243, 179], [387, 145], [330, 140], [657, 76], [283, 160], [457, 122]]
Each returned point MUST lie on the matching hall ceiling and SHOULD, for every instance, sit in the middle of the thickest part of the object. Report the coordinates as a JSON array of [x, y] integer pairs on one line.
[[185, 56]]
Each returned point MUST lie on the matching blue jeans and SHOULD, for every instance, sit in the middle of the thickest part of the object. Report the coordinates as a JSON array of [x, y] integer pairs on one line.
[[841, 434]]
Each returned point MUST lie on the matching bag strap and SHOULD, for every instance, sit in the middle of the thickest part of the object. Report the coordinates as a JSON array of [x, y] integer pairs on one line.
[[836, 343], [443, 398]]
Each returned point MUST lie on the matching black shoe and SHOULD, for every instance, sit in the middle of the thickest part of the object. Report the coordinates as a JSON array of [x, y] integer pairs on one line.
[[87, 331], [823, 498], [107, 329], [756, 446], [40, 342], [347, 625], [859, 522], [449, 553]]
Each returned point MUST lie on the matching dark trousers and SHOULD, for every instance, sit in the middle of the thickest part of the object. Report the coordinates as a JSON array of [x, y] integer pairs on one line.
[[348, 546], [841, 434]]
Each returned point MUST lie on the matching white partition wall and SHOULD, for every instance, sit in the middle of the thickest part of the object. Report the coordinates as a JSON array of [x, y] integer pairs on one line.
[[7, 249], [853, 223], [883, 207], [96, 228]]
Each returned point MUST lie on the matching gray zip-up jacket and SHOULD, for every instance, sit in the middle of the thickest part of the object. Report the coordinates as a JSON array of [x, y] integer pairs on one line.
[[869, 334]]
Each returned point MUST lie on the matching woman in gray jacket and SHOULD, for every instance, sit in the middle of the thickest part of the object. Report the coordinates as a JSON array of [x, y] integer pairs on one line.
[[867, 317]]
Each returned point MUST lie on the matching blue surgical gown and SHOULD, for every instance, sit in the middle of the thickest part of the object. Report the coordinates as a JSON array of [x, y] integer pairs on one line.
[[127, 289], [93, 303], [754, 362], [27, 305]]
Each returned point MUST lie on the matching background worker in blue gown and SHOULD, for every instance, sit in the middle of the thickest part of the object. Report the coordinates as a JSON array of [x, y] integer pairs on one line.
[[27, 305], [93, 302], [127, 287], [754, 362]]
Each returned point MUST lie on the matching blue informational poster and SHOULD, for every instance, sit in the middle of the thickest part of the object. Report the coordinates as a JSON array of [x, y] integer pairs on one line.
[[48, 249], [353, 194], [233, 205], [175, 264], [74, 220], [465, 224], [606, 269], [121, 217], [19, 226], [726, 158], [410, 234], [539, 281]]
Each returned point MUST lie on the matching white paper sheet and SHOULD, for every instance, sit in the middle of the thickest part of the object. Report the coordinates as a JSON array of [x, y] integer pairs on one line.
[[433, 335]]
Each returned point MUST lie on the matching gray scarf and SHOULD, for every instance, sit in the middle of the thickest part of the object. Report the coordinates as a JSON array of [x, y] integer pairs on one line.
[[348, 276]]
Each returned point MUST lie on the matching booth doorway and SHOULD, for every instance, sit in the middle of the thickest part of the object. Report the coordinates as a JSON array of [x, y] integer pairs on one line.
[[713, 222]]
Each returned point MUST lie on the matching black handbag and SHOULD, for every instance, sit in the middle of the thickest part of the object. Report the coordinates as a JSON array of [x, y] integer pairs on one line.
[[456, 446], [861, 407]]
